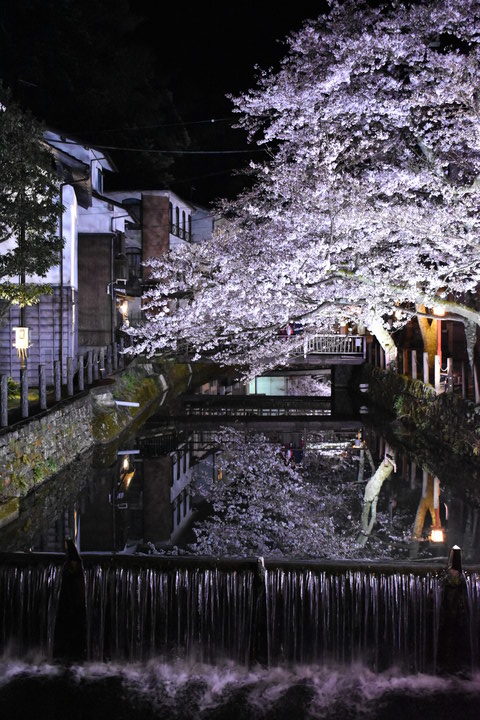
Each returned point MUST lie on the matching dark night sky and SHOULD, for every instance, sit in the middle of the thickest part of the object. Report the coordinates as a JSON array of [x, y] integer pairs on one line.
[[209, 49], [84, 68]]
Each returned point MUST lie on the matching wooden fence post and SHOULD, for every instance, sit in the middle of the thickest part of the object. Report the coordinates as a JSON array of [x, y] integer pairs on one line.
[[437, 373], [102, 362], [95, 365], [3, 400], [42, 387], [449, 383], [24, 391], [89, 367], [121, 356], [69, 376], [414, 364], [475, 384], [108, 360], [81, 373], [57, 380], [426, 369]]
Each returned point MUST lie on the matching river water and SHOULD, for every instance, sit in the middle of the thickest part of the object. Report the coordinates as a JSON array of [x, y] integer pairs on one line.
[[304, 633]]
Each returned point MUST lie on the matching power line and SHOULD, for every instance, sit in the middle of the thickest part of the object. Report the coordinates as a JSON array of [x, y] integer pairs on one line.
[[163, 152]]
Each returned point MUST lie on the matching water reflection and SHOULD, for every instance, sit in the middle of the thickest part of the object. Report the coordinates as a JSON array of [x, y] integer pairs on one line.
[[262, 469]]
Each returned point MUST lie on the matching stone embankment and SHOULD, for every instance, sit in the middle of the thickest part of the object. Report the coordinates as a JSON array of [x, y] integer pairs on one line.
[[445, 420], [38, 447]]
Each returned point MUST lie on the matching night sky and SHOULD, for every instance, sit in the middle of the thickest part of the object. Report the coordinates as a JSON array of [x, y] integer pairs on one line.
[[126, 73], [209, 50]]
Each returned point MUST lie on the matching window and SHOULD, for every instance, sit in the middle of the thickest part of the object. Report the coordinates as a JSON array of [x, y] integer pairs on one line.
[[176, 230], [184, 229], [134, 259], [170, 217]]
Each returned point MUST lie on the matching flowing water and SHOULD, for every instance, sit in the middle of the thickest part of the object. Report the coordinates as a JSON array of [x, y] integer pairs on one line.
[[184, 637]]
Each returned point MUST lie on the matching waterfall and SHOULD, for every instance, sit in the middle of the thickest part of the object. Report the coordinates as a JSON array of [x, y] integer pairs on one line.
[[293, 615], [28, 607]]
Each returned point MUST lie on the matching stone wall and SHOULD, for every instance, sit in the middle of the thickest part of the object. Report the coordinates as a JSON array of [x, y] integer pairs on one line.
[[40, 446], [446, 420]]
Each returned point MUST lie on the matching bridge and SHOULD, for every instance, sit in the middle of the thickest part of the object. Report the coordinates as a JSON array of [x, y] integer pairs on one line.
[[331, 349]]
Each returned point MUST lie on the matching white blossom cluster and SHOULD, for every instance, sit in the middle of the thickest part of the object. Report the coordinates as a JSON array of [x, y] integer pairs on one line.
[[368, 199]]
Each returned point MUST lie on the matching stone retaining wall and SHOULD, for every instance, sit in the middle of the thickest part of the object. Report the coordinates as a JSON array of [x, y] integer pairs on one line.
[[40, 446]]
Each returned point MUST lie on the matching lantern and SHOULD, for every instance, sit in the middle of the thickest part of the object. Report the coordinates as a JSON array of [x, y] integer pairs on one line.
[[21, 344]]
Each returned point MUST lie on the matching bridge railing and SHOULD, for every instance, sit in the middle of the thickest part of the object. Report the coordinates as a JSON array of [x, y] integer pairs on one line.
[[352, 345]]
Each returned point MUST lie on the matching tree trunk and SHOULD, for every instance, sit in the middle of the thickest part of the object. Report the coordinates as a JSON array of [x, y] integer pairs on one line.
[[370, 497], [425, 505], [386, 341], [429, 330]]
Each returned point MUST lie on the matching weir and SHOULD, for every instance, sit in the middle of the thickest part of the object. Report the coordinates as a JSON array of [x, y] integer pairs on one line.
[[210, 610]]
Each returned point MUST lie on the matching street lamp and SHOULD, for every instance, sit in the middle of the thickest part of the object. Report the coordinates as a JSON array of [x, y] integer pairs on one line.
[[21, 344], [123, 310]]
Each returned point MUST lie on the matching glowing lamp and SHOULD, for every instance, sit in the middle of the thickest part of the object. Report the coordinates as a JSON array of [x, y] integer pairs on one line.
[[437, 535], [21, 338], [439, 311], [21, 344]]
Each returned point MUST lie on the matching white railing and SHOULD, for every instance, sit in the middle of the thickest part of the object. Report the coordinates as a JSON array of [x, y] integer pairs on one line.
[[353, 345]]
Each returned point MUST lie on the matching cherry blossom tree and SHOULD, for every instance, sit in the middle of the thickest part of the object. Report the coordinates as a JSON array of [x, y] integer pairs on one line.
[[366, 207]]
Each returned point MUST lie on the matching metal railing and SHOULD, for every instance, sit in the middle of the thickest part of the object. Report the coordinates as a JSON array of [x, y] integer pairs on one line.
[[353, 345]]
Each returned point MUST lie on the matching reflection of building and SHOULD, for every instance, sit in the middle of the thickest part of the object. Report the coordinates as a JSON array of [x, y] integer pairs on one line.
[[167, 481]]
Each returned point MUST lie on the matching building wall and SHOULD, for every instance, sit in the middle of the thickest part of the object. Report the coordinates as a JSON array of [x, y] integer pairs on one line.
[[46, 335], [69, 233], [95, 313], [155, 226]]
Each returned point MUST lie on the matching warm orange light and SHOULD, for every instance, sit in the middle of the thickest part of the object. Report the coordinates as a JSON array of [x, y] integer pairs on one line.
[[437, 535], [127, 479]]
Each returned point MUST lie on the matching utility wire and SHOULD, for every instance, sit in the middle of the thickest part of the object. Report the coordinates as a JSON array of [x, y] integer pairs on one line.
[[163, 152]]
